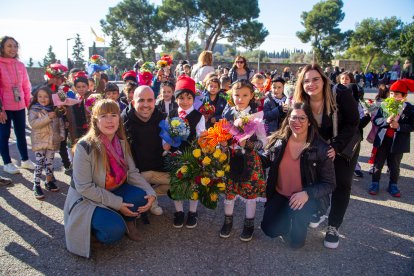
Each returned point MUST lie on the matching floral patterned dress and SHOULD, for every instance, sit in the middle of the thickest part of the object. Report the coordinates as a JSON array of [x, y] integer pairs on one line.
[[252, 185]]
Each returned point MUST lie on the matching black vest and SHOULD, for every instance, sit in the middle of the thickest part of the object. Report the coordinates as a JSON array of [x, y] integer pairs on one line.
[[193, 118]]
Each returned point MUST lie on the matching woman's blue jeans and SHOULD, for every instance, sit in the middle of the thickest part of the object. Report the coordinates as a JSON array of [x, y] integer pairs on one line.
[[280, 220], [109, 226], [18, 117]]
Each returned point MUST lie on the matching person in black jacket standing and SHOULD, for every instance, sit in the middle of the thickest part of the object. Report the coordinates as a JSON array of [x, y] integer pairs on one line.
[[314, 88], [292, 198], [141, 122]]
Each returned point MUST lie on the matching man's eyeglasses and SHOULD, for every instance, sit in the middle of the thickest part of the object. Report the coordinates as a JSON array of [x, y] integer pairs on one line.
[[301, 119]]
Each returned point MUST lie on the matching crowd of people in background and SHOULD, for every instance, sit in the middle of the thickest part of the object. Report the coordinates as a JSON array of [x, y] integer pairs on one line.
[[311, 122]]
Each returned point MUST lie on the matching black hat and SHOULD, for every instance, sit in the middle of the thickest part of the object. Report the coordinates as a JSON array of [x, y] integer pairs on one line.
[[278, 79]]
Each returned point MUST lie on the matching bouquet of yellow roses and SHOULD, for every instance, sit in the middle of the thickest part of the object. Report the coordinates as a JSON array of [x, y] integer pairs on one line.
[[200, 173]]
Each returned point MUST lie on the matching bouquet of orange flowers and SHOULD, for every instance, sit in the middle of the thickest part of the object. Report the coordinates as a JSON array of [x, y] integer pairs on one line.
[[201, 172]]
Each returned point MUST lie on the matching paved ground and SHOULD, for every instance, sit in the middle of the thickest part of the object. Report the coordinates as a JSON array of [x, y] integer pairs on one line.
[[377, 237]]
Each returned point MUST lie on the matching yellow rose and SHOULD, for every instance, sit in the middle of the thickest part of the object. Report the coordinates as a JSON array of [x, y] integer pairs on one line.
[[194, 196], [223, 157], [175, 123], [221, 186], [205, 181], [197, 153], [217, 153], [206, 161], [227, 168], [214, 197], [184, 169], [220, 173]]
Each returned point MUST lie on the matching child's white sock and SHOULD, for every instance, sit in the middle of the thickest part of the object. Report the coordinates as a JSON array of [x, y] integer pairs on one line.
[[178, 205], [228, 207], [193, 206], [250, 209]]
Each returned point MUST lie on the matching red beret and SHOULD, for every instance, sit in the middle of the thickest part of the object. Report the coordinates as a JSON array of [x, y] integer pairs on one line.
[[80, 74], [184, 84], [403, 86], [130, 75]]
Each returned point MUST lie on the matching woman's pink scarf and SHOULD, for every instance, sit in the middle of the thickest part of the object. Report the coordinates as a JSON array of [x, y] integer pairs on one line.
[[116, 167]]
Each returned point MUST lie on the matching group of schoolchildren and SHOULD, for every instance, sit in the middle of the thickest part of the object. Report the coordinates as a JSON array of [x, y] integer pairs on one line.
[[53, 125], [177, 100]]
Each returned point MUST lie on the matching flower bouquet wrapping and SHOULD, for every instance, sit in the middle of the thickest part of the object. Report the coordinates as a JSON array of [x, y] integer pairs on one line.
[[244, 127], [201, 172], [91, 101], [369, 105], [64, 96], [97, 63], [174, 131], [198, 100]]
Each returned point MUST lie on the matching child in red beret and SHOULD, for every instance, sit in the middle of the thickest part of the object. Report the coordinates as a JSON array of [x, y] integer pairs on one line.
[[184, 95], [393, 137]]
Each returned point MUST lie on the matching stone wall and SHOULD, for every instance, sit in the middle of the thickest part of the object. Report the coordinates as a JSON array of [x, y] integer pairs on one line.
[[349, 65], [36, 75]]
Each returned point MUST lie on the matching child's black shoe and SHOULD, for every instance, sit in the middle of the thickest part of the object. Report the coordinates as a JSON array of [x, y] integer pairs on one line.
[[38, 193], [191, 220], [178, 219], [51, 186]]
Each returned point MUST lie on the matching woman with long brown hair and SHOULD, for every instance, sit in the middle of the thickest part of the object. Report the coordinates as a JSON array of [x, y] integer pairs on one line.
[[333, 112], [107, 192]]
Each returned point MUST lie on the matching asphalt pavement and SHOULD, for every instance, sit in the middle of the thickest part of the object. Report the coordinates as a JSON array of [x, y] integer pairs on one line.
[[377, 236]]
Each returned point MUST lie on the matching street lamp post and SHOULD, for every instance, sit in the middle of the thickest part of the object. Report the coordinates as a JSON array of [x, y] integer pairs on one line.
[[67, 50]]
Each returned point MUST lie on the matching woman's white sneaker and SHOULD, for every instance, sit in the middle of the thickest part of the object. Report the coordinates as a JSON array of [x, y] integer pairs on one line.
[[11, 168], [28, 164]]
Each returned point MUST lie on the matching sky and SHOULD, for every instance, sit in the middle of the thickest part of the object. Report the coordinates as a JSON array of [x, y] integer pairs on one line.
[[38, 24]]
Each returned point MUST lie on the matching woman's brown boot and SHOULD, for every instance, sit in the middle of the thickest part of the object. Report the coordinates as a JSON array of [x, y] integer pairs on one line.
[[132, 231]]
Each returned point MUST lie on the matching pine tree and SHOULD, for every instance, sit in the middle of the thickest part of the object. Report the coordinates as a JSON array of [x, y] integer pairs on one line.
[[30, 63], [116, 55], [77, 54], [49, 58]]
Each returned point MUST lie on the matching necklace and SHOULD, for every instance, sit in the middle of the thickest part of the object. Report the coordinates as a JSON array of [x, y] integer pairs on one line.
[[319, 107], [296, 148]]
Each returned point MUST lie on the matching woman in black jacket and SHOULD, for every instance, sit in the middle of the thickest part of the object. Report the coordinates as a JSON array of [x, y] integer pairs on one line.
[[301, 176], [240, 70], [314, 88]]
